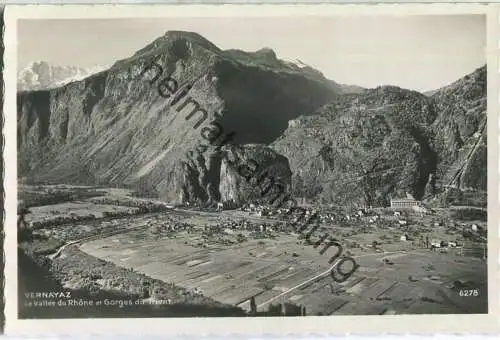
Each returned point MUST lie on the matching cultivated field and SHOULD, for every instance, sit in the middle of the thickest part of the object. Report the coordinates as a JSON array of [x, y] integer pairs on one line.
[[77, 209], [285, 269], [233, 255]]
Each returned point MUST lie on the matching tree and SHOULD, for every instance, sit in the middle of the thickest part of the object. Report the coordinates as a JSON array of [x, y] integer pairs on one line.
[[253, 305], [326, 153]]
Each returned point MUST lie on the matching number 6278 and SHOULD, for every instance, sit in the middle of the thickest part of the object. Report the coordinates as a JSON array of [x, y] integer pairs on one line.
[[468, 292]]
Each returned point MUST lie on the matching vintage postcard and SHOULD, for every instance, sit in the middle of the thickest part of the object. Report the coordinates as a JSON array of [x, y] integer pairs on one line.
[[297, 169]]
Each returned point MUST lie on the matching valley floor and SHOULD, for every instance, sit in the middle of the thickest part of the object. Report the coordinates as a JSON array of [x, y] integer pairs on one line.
[[223, 259]]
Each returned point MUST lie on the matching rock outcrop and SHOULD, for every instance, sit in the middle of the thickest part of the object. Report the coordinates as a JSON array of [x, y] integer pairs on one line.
[[254, 173]]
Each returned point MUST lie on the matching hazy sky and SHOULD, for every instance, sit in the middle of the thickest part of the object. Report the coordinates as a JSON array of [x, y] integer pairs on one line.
[[417, 52]]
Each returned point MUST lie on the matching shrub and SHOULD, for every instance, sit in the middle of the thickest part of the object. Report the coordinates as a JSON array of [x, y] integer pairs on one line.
[[145, 292], [470, 215], [24, 235], [95, 276]]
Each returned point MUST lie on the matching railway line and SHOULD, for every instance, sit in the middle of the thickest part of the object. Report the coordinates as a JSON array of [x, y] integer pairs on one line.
[[326, 272], [94, 237]]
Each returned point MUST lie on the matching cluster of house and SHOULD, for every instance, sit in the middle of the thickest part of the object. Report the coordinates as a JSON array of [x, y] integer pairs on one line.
[[262, 210], [231, 227], [174, 227], [425, 242], [307, 212], [443, 244], [361, 215]]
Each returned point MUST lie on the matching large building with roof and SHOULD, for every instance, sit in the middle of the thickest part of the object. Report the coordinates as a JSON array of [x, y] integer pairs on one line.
[[404, 203]]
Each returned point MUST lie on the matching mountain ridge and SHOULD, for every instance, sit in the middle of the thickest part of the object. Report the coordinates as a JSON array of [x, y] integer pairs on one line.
[[389, 149], [113, 128], [101, 128]]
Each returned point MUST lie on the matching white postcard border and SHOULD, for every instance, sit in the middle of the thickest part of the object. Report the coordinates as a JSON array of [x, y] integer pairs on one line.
[[319, 325]]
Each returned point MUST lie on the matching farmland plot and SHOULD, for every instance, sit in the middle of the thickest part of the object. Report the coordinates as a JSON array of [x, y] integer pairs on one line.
[[76, 209], [267, 271]]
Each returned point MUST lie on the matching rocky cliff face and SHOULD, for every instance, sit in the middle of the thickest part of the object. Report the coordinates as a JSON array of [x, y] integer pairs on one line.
[[157, 129], [461, 131], [389, 142], [254, 173], [362, 148]]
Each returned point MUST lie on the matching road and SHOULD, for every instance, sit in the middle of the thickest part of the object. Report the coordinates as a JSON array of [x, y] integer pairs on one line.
[[95, 237], [460, 171], [326, 272], [466, 207], [61, 248]]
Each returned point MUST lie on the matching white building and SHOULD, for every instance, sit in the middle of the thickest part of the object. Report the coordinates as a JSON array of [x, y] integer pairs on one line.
[[404, 203], [436, 243]]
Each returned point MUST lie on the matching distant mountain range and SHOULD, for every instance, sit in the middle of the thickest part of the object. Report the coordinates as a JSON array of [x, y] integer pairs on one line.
[[40, 75], [327, 142]]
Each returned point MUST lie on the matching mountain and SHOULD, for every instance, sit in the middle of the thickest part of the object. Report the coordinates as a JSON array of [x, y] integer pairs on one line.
[[341, 88], [114, 127], [362, 148], [40, 75], [366, 148], [182, 120]]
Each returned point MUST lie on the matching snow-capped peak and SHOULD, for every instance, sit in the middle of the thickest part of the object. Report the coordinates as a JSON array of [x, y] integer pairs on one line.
[[40, 75]]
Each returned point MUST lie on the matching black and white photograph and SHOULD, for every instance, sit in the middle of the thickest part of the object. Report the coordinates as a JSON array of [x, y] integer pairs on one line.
[[289, 166]]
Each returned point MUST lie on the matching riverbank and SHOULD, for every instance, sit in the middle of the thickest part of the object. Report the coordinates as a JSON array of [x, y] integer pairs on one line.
[[90, 287]]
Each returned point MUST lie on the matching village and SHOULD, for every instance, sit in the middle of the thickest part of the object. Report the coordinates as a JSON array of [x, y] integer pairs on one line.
[[403, 214]]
